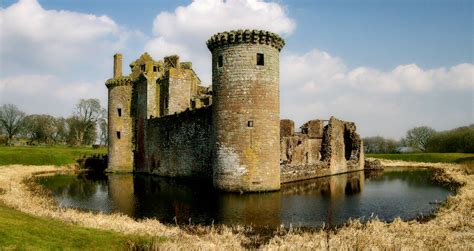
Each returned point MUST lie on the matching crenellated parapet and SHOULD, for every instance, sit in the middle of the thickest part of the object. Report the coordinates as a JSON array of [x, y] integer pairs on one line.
[[245, 37], [123, 80]]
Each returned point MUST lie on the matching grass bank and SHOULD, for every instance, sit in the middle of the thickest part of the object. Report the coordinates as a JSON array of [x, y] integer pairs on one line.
[[428, 157], [45, 155], [22, 231]]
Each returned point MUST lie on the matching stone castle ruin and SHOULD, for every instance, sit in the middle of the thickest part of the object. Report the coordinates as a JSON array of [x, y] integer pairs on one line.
[[163, 121]]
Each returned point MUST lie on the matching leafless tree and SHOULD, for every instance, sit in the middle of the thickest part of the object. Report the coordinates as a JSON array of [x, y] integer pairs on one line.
[[86, 115], [103, 127], [11, 120]]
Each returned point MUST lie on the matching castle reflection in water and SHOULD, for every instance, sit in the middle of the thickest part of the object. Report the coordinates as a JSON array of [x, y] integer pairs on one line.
[[148, 196], [332, 200]]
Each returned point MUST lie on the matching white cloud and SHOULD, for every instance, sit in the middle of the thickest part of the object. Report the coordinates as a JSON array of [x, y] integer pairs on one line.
[[38, 40], [318, 85], [185, 31], [47, 94]]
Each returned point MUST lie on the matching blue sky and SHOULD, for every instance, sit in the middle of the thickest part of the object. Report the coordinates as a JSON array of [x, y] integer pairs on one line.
[[384, 34], [352, 59]]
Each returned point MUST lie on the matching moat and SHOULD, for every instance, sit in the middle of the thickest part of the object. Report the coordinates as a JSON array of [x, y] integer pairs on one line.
[[405, 193]]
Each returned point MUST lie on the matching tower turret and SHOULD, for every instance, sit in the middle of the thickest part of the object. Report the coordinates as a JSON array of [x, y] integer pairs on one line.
[[120, 132], [246, 108]]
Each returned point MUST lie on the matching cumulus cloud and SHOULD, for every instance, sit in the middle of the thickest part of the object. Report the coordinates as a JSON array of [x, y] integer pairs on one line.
[[51, 58], [382, 102], [185, 31], [38, 40]]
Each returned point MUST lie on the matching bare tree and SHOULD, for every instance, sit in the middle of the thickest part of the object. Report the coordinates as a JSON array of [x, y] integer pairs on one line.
[[85, 118], [103, 127], [11, 120], [419, 137]]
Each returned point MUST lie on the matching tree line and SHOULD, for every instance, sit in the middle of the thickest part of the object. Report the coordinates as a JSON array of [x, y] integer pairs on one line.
[[86, 126], [425, 139]]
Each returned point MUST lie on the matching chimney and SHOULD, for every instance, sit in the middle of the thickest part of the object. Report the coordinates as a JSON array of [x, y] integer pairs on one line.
[[117, 65]]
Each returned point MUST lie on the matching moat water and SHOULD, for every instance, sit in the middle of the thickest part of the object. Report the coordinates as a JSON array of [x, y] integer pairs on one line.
[[405, 193]]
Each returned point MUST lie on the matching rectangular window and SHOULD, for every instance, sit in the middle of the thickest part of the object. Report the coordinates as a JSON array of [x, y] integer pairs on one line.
[[250, 123], [155, 69], [220, 61], [118, 134], [260, 59], [119, 111], [143, 67]]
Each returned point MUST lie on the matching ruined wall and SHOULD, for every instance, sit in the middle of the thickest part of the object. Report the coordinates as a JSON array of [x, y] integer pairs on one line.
[[246, 110], [342, 147], [180, 84], [178, 87], [180, 145], [333, 149], [319, 150], [120, 124]]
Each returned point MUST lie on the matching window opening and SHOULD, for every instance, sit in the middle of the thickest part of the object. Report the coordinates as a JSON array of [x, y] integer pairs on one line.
[[260, 59], [220, 61], [118, 134], [250, 123], [119, 111]]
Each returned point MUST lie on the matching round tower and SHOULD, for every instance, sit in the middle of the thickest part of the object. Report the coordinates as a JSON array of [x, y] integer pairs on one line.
[[246, 110], [120, 147]]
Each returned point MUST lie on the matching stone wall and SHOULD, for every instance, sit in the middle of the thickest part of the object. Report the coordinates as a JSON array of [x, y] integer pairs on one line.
[[180, 145], [246, 113], [319, 150], [120, 155], [342, 147]]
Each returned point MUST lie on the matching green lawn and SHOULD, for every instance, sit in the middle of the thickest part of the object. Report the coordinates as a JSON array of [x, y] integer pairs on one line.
[[428, 157], [22, 231], [45, 155]]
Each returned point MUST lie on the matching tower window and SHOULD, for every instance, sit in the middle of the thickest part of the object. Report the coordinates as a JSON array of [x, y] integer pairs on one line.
[[118, 134], [143, 67], [119, 111], [250, 123], [155, 69], [220, 61], [260, 59]]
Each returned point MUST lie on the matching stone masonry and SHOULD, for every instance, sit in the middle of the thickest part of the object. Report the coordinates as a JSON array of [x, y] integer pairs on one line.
[[163, 121]]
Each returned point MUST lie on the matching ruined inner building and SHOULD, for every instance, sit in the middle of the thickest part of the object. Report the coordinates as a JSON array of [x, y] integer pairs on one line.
[[163, 121]]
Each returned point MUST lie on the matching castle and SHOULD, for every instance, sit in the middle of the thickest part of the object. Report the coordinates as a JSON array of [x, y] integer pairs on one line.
[[162, 121]]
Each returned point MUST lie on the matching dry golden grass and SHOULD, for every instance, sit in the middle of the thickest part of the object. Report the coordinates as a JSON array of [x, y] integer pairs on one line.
[[451, 228]]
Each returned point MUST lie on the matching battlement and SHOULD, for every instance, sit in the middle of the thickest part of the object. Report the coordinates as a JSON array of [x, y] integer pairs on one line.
[[245, 37], [123, 80]]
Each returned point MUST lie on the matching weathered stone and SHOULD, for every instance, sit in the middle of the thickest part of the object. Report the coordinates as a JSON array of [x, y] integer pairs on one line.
[[313, 128], [287, 127], [373, 164], [245, 113]]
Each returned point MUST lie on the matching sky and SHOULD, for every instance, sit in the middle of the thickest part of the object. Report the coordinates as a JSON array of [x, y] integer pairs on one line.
[[387, 65]]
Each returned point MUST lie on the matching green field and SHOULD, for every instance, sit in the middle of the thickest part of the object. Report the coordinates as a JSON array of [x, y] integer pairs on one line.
[[428, 157], [45, 155], [22, 231]]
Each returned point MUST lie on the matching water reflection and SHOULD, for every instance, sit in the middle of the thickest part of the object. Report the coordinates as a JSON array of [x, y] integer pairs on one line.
[[121, 193], [330, 200]]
